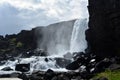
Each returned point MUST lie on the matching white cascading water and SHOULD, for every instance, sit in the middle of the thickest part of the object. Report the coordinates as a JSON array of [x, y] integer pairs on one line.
[[36, 63], [78, 42], [58, 42]]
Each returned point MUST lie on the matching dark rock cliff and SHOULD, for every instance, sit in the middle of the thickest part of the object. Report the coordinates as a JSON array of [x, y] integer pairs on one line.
[[103, 35], [15, 44]]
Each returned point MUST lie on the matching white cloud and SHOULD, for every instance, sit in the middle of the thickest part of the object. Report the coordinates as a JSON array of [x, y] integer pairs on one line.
[[41, 12]]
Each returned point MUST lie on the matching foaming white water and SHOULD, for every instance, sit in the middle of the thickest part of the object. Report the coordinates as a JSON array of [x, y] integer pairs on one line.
[[78, 42], [58, 39], [10, 64], [74, 43], [36, 63]]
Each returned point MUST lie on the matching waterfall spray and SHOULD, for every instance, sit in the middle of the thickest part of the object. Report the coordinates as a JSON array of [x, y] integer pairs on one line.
[[78, 42]]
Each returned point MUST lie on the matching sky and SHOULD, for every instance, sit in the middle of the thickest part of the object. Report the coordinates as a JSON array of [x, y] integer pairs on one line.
[[16, 15]]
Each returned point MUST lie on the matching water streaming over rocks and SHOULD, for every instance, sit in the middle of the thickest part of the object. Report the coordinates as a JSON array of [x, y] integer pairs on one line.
[[75, 43]]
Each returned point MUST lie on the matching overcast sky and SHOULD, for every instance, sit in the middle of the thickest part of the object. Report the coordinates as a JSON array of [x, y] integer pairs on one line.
[[16, 15]]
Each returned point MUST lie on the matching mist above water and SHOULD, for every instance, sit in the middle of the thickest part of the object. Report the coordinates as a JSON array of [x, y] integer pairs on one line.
[[56, 38], [64, 37]]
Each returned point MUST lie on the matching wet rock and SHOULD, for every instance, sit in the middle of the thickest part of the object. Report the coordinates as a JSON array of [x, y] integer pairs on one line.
[[5, 76], [22, 67], [2, 62], [90, 64], [77, 78], [13, 75], [27, 54], [55, 78], [114, 67], [49, 74], [68, 55], [86, 75], [3, 57], [73, 66], [46, 59], [61, 62], [88, 60], [77, 55], [102, 78], [102, 65], [40, 52], [23, 76], [7, 69], [37, 75], [60, 77], [9, 75], [117, 60]]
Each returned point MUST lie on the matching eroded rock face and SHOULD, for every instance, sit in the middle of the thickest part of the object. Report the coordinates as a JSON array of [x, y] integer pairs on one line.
[[103, 35]]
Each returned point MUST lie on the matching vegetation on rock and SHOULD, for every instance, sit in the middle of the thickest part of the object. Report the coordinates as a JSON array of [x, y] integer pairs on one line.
[[110, 75]]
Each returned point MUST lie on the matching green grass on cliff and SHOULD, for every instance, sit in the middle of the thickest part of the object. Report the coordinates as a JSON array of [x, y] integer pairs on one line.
[[111, 75]]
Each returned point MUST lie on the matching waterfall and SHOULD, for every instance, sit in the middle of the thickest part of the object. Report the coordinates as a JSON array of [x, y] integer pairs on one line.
[[58, 39], [78, 42], [70, 38]]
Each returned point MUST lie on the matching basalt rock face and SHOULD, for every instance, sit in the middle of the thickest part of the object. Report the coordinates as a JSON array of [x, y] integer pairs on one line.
[[15, 44], [103, 35]]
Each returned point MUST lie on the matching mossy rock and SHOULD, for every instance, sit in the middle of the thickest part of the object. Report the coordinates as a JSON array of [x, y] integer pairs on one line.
[[110, 75], [19, 45]]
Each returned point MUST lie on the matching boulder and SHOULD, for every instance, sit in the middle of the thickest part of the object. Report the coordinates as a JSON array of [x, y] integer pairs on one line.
[[102, 78], [46, 59], [73, 66], [102, 65], [77, 78], [37, 75], [68, 55], [60, 77], [2, 62], [88, 60], [27, 54], [9, 75], [86, 75], [22, 67], [23, 76], [49, 74], [61, 62], [114, 66], [77, 55], [40, 52], [7, 69]]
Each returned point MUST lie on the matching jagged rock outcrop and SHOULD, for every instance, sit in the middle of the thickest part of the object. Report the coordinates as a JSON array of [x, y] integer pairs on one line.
[[103, 35]]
